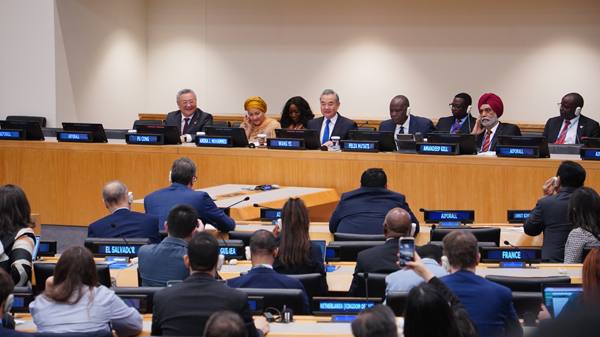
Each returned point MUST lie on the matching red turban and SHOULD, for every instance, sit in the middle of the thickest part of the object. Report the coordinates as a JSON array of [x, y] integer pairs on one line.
[[494, 102]]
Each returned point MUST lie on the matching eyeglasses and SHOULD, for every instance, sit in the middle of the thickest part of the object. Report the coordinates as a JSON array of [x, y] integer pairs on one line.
[[187, 102], [457, 106], [560, 105]]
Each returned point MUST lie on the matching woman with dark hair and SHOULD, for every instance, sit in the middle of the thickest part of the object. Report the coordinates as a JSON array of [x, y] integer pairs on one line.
[[75, 302], [297, 255], [16, 234], [432, 309], [296, 113], [584, 214]]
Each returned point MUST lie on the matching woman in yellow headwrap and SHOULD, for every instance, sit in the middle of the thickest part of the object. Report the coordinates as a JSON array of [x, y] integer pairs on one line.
[[255, 122]]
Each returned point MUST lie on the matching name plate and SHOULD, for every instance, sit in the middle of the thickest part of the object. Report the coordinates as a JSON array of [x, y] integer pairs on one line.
[[214, 141], [285, 144], [359, 145], [270, 213], [449, 216], [7, 134], [75, 136], [330, 305], [118, 249], [145, 138], [437, 149], [589, 153], [517, 216], [517, 151]]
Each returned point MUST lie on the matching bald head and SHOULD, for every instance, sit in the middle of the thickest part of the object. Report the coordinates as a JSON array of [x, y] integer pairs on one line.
[[397, 223], [115, 195]]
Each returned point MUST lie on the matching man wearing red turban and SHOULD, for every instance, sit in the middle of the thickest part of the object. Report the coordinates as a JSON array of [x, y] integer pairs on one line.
[[487, 127]]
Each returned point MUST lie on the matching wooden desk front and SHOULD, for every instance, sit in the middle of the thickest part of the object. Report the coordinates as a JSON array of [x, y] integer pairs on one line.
[[64, 181]]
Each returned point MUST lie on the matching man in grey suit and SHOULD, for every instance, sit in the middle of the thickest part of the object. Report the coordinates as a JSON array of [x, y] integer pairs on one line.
[[550, 215], [189, 119]]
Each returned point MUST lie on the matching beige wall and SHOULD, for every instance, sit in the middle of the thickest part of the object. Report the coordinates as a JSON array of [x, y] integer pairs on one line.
[[115, 59]]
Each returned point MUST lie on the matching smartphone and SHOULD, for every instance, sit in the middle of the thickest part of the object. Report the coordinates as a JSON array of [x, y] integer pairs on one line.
[[406, 250], [555, 182]]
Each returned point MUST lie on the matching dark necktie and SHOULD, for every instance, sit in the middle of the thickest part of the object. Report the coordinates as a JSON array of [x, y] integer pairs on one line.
[[185, 126]]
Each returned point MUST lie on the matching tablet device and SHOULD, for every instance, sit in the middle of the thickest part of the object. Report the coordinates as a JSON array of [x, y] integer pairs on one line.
[[466, 142], [557, 295], [385, 138], [238, 135], [33, 131], [97, 130], [311, 137], [170, 132]]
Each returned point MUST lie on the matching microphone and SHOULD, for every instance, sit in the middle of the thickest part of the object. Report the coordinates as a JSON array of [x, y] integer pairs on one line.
[[261, 206], [523, 251], [363, 124], [118, 231], [367, 287], [422, 210], [418, 137], [235, 203]]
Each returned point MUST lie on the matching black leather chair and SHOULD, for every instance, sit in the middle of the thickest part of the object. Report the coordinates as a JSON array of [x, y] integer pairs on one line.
[[396, 300], [312, 285], [244, 236], [224, 124], [236, 125], [486, 234], [146, 292], [376, 284], [366, 128], [587, 249], [358, 237], [527, 301], [527, 283], [145, 122], [44, 270], [40, 120], [348, 250]]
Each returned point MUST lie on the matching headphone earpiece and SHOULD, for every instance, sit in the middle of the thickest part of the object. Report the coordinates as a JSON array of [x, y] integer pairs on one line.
[[221, 262], [469, 109], [130, 197], [446, 263], [9, 303], [578, 111], [408, 111], [170, 182]]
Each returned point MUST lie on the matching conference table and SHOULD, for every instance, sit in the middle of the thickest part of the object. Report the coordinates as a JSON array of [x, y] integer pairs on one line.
[[63, 181]]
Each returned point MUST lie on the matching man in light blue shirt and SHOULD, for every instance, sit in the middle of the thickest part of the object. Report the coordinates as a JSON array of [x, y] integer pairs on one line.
[[405, 280]]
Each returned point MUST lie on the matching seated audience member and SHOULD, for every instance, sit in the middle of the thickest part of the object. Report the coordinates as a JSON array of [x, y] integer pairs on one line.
[[550, 215], [332, 123], [183, 176], [189, 119], [489, 304], [297, 254], [225, 324], [375, 321], [402, 122], [74, 301], [128, 224], [263, 248], [163, 262], [432, 309], [255, 121], [296, 114], [584, 214], [17, 238], [6, 289], [490, 109], [184, 308], [382, 259], [570, 127], [461, 120], [589, 299], [406, 279], [363, 210]]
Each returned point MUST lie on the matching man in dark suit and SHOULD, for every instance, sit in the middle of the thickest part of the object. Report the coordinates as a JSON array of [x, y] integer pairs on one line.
[[163, 262], [263, 247], [184, 308], [7, 324], [487, 127], [570, 127], [332, 123], [489, 304], [550, 215], [188, 119], [461, 120], [382, 259], [183, 177], [402, 122], [363, 210], [128, 224]]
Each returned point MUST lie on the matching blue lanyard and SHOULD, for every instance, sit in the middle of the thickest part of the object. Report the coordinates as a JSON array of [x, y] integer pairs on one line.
[[567, 130], [458, 126]]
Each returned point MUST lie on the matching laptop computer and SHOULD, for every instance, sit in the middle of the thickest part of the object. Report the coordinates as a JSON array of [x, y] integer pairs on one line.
[[311, 137], [33, 131], [97, 130], [557, 295]]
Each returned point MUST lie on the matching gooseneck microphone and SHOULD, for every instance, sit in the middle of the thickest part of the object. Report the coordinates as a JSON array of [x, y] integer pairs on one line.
[[367, 287], [363, 124], [257, 205], [235, 203], [521, 250], [118, 231]]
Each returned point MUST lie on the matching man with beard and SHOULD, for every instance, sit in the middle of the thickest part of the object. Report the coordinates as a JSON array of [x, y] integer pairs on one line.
[[487, 127]]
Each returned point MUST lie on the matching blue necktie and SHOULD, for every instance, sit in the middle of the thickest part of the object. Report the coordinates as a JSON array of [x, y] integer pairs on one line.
[[401, 131], [326, 133]]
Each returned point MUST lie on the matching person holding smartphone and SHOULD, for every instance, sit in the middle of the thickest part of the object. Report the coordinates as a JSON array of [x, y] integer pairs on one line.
[[255, 121]]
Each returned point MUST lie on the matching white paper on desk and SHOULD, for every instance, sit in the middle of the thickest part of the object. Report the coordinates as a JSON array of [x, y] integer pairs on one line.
[[487, 154], [513, 229], [209, 227], [19, 321]]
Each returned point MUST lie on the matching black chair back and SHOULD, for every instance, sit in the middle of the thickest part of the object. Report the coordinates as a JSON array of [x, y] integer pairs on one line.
[[44, 270], [486, 234], [587, 249], [376, 284], [244, 236], [146, 292], [40, 120], [533, 284], [358, 237], [366, 128], [527, 301], [224, 124], [396, 300], [236, 125], [311, 283], [348, 250], [146, 122]]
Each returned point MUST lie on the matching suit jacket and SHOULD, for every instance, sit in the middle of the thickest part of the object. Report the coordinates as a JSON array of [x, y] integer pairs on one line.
[[163, 262], [587, 128], [380, 259], [160, 203], [489, 304], [504, 129], [317, 266], [199, 120], [444, 124], [267, 278], [363, 210], [4, 332], [417, 124], [550, 217], [342, 126], [130, 224], [184, 308]]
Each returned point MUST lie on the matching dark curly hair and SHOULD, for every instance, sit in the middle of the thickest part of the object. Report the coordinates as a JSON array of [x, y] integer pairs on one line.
[[306, 113]]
